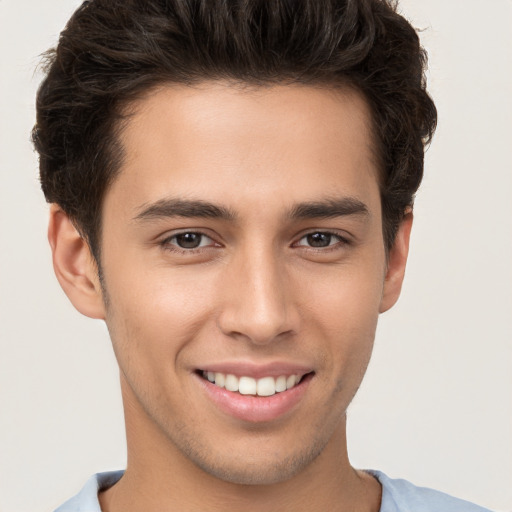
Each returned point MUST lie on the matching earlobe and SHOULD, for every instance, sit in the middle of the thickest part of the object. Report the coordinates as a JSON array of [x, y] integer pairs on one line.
[[397, 260], [74, 265]]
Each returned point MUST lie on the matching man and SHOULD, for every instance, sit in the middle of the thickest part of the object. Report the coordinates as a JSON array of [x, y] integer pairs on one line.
[[232, 187]]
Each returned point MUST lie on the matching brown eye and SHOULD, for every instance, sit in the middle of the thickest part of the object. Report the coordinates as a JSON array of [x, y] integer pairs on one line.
[[188, 240], [319, 239], [322, 240]]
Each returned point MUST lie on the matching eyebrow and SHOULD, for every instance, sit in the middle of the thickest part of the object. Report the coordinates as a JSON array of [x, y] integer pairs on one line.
[[323, 209], [329, 208], [184, 208]]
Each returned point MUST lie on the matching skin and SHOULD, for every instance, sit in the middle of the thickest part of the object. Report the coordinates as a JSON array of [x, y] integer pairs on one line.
[[255, 291]]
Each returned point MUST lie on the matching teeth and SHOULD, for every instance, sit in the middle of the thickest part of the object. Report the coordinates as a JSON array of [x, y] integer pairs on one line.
[[231, 383], [281, 384], [247, 386], [291, 381], [220, 380], [266, 386]]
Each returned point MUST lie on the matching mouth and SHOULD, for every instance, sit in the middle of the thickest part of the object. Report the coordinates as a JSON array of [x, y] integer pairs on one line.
[[246, 385], [255, 393]]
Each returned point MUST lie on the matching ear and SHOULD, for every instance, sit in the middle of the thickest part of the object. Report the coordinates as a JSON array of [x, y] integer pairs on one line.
[[397, 259], [74, 265]]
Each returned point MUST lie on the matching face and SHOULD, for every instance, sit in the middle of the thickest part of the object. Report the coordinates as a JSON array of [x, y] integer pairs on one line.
[[242, 249]]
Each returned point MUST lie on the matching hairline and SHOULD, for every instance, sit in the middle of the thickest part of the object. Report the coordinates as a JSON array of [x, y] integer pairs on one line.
[[127, 107]]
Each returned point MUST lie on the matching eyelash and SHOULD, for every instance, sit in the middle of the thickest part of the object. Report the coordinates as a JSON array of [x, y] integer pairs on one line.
[[342, 241], [174, 247], [169, 246]]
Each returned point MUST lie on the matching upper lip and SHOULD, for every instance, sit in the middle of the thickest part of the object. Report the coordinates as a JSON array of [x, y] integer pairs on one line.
[[257, 371]]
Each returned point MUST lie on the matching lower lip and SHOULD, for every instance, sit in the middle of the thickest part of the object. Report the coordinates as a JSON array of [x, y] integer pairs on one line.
[[256, 408]]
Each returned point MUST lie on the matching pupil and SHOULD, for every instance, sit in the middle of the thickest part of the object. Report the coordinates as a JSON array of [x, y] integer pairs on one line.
[[319, 239], [189, 240]]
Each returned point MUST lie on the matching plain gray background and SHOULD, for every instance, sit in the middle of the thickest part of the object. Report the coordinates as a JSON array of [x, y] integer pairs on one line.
[[436, 405]]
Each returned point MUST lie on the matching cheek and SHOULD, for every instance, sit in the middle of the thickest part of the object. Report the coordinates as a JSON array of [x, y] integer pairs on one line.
[[343, 310], [347, 299], [153, 315]]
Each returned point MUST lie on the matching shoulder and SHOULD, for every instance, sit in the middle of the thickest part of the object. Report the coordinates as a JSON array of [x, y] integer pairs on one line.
[[402, 496], [87, 499]]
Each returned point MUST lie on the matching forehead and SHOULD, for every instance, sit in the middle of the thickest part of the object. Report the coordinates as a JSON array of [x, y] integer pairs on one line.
[[215, 139]]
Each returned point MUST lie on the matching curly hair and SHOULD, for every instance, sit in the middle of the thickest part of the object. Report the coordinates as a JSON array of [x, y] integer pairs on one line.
[[114, 51]]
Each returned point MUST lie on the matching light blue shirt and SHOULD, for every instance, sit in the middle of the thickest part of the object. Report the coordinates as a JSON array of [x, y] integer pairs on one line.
[[397, 496]]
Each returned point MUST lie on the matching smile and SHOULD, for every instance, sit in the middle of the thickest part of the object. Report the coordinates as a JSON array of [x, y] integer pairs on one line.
[[244, 385], [255, 393]]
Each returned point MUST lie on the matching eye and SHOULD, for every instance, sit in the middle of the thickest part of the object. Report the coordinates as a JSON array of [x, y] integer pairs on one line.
[[320, 239], [189, 240]]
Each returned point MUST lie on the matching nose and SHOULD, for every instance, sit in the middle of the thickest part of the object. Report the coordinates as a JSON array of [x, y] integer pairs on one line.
[[258, 300]]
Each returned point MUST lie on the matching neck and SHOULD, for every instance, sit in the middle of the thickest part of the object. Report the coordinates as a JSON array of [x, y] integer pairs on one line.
[[159, 477]]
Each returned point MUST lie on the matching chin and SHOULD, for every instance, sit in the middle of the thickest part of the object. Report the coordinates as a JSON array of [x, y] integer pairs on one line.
[[260, 469]]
